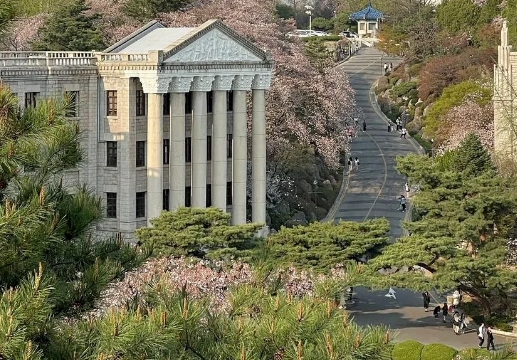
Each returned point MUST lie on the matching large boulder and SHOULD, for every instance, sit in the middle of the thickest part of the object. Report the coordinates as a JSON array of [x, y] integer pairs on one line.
[[297, 219]]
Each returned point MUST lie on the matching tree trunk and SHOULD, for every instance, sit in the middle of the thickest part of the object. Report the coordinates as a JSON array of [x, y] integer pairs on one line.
[[481, 300]]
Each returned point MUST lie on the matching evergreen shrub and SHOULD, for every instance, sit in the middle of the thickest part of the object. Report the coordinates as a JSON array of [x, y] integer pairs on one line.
[[438, 352], [471, 354], [407, 350]]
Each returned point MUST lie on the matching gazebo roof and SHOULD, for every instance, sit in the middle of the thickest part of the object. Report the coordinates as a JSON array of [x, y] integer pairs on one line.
[[368, 13]]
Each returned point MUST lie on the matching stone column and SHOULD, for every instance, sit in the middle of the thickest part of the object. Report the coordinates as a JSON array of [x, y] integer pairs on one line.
[[258, 148], [241, 84], [179, 86], [155, 88], [199, 87], [222, 84]]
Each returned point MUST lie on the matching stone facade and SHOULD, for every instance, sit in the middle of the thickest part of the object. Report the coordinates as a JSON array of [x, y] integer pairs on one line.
[[164, 116], [505, 100]]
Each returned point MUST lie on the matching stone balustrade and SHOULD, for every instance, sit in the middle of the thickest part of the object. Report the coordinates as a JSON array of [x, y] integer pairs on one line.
[[46, 58]]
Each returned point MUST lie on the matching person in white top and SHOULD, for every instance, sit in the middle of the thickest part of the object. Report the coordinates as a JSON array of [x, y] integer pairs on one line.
[[481, 335]]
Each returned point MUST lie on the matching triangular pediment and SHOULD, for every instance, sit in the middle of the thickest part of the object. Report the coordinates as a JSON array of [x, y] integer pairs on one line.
[[213, 42]]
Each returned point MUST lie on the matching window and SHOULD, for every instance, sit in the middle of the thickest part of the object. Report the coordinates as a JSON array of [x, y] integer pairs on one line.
[[166, 147], [111, 154], [229, 193], [209, 101], [111, 205], [140, 204], [30, 99], [229, 101], [208, 195], [140, 103], [187, 196], [166, 199], [111, 102], [372, 26], [188, 149], [166, 104], [361, 26], [209, 148], [188, 103], [229, 145], [140, 153], [72, 99]]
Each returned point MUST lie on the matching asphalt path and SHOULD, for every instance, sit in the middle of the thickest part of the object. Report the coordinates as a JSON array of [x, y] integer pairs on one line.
[[371, 191]]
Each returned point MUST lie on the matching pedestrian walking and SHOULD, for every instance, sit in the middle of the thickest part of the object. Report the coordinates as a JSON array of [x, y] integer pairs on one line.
[[385, 68], [403, 133], [403, 203], [350, 161], [406, 187], [398, 123], [389, 127], [445, 311], [356, 162], [364, 126], [391, 67], [489, 338], [427, 300], [481, 334]]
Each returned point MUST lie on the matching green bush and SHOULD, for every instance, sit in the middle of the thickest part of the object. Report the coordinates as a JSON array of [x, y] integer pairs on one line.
[[407, 350], [438, 352], [321, 38], [393, 79], [414, 70], [404, 88]]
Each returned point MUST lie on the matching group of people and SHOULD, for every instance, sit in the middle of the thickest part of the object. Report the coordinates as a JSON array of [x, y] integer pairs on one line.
[[388, 68], [351, 162], [400, 129], [458, 321]]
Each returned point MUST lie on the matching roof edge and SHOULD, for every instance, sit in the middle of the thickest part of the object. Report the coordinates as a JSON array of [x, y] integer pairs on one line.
[[135, 35]]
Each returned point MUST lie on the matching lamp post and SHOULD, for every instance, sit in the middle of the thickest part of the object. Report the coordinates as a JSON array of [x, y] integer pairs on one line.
[[308, 11]]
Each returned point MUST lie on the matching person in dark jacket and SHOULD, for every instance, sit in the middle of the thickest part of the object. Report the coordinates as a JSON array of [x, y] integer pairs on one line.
[[489, 338], [445, 311], [427, 300]]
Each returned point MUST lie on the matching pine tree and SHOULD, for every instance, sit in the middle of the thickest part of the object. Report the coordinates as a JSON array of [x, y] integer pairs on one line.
[[459, 234], [198, 232], [70, 28], [471, 157], [322, 246]]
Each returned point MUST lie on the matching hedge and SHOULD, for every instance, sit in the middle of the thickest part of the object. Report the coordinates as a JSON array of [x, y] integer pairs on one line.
[[407, 350], [438, 352], [472, 354]]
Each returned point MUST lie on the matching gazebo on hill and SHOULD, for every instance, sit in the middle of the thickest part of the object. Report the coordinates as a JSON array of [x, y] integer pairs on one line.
[[368, 21]]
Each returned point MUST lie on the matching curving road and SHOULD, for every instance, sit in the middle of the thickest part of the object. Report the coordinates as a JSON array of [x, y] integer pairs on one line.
[[371, 191]]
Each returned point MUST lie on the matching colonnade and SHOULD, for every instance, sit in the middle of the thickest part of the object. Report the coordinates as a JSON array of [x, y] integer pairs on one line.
[[178, 86]]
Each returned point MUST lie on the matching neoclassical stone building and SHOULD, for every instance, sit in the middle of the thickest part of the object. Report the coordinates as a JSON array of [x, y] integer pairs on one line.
[[164, 116], [505, 100]]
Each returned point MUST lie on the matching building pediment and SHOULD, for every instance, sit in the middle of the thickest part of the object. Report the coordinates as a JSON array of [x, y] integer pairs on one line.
[[212, 46]]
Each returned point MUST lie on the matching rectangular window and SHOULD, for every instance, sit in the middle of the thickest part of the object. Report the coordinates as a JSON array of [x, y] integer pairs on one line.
[[187, 196], [111, 205], [229, 145], [140, 103], [140, 204], [72, 103], [188, 149], [229, 193], [166, 104], [209, 148], [111, 102], [209, 101], [188, 103], [229, 101], [111, 154], [208, 195], [166, 199], [361, 26], [30, 99], [166, 147], [140, 153]]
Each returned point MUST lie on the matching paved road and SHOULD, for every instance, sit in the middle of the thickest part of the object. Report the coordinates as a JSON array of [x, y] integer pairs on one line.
[[371, 192]]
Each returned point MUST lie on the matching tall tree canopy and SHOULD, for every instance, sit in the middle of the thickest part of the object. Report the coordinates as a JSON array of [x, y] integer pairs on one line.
[[464, 214], [71, 28]]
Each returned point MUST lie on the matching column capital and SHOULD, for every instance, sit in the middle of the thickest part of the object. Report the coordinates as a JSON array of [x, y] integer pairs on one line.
[[223, 82], [155, 84], [202, 83], [181, 84], [261, 82], [242, 82]]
